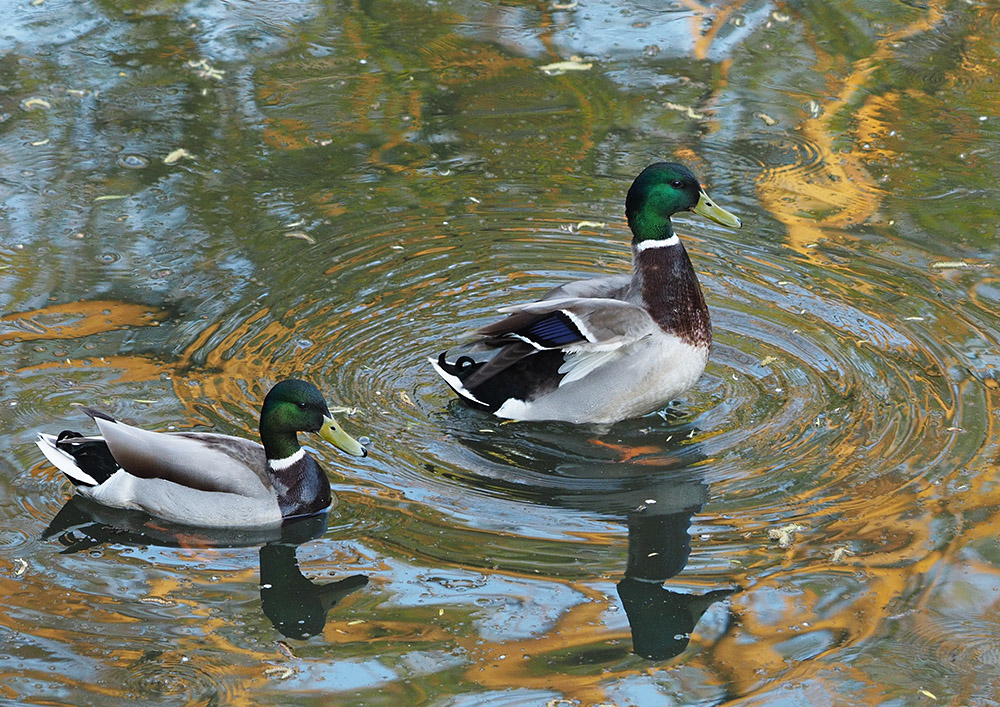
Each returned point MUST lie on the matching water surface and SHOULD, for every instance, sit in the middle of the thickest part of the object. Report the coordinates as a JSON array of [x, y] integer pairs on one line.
[[364, 183]]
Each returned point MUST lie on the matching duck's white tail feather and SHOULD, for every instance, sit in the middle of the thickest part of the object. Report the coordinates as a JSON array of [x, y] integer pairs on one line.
[[63, 461]]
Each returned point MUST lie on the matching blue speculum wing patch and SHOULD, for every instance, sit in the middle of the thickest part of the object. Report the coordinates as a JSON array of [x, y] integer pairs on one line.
[[553, 331]]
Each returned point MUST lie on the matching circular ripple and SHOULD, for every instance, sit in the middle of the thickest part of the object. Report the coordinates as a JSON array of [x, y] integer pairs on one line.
[[159, 676], [822, 380]]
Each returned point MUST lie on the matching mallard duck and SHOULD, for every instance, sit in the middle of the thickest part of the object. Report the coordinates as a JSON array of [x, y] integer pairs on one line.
[[611, 348], [206, 479]]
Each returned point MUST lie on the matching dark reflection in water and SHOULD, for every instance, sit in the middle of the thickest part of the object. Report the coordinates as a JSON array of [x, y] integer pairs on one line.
[[661, 619], [656, 493], [295, 605]]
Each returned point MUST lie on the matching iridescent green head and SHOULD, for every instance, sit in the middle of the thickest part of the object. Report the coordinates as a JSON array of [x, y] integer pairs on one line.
[[662, 190], [294, 406]]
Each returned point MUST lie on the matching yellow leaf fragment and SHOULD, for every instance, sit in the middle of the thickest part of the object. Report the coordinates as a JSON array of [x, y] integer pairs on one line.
[[925, 693], [768, 360], [590, 224], [33, 103], [176, 156]]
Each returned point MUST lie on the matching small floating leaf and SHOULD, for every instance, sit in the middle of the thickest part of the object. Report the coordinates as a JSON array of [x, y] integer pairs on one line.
[[176, 156], [33, 103], [925, 693], [111, 197], [20, 566], [590, 224], [285, 649], [949, 264], [301, 235], [561, 67], [39, 143], [768, 120]]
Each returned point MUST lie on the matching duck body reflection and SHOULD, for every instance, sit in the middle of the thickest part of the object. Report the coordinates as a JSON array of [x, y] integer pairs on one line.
[[655, 489], [296, 606]]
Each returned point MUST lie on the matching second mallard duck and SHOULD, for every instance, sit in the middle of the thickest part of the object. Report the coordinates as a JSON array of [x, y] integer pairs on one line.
[[205, 479], [611, 348]]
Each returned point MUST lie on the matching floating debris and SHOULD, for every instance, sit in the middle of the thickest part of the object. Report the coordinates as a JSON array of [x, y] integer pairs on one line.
[[279, 673], [785, 534], [39, 143], [35, 104], [590, 224], [206, 70], [768, 360], [840, 553], [176, 156], [301, 235], [286, 650], [111, 197], [159, 601], [564, 5], [561, 67], [767, 120], [949, 264], [20, 566], [686, 110], [925, 693]]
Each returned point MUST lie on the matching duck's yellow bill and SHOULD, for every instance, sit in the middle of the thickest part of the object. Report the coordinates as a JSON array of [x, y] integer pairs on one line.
[[709, 209], [333, 433]]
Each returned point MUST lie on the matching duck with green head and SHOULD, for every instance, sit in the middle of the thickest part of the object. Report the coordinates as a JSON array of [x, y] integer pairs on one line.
[[206, 479], [611, 348]]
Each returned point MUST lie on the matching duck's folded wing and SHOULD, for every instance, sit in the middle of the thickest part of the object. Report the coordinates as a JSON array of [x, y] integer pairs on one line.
[[573, 324], [591, 332], [208, 462]]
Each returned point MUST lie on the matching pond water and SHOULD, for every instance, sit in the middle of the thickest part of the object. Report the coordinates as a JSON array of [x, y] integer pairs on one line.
[[363, 183]]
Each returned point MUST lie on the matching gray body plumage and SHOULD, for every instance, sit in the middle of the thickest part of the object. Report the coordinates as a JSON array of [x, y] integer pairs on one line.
[[202, 479]]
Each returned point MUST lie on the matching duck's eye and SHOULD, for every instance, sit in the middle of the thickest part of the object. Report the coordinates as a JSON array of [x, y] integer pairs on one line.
[[302, 406], [677, 184]]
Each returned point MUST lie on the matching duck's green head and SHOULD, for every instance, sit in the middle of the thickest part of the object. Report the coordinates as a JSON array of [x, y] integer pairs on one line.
[[662, 190], [294, 406]]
